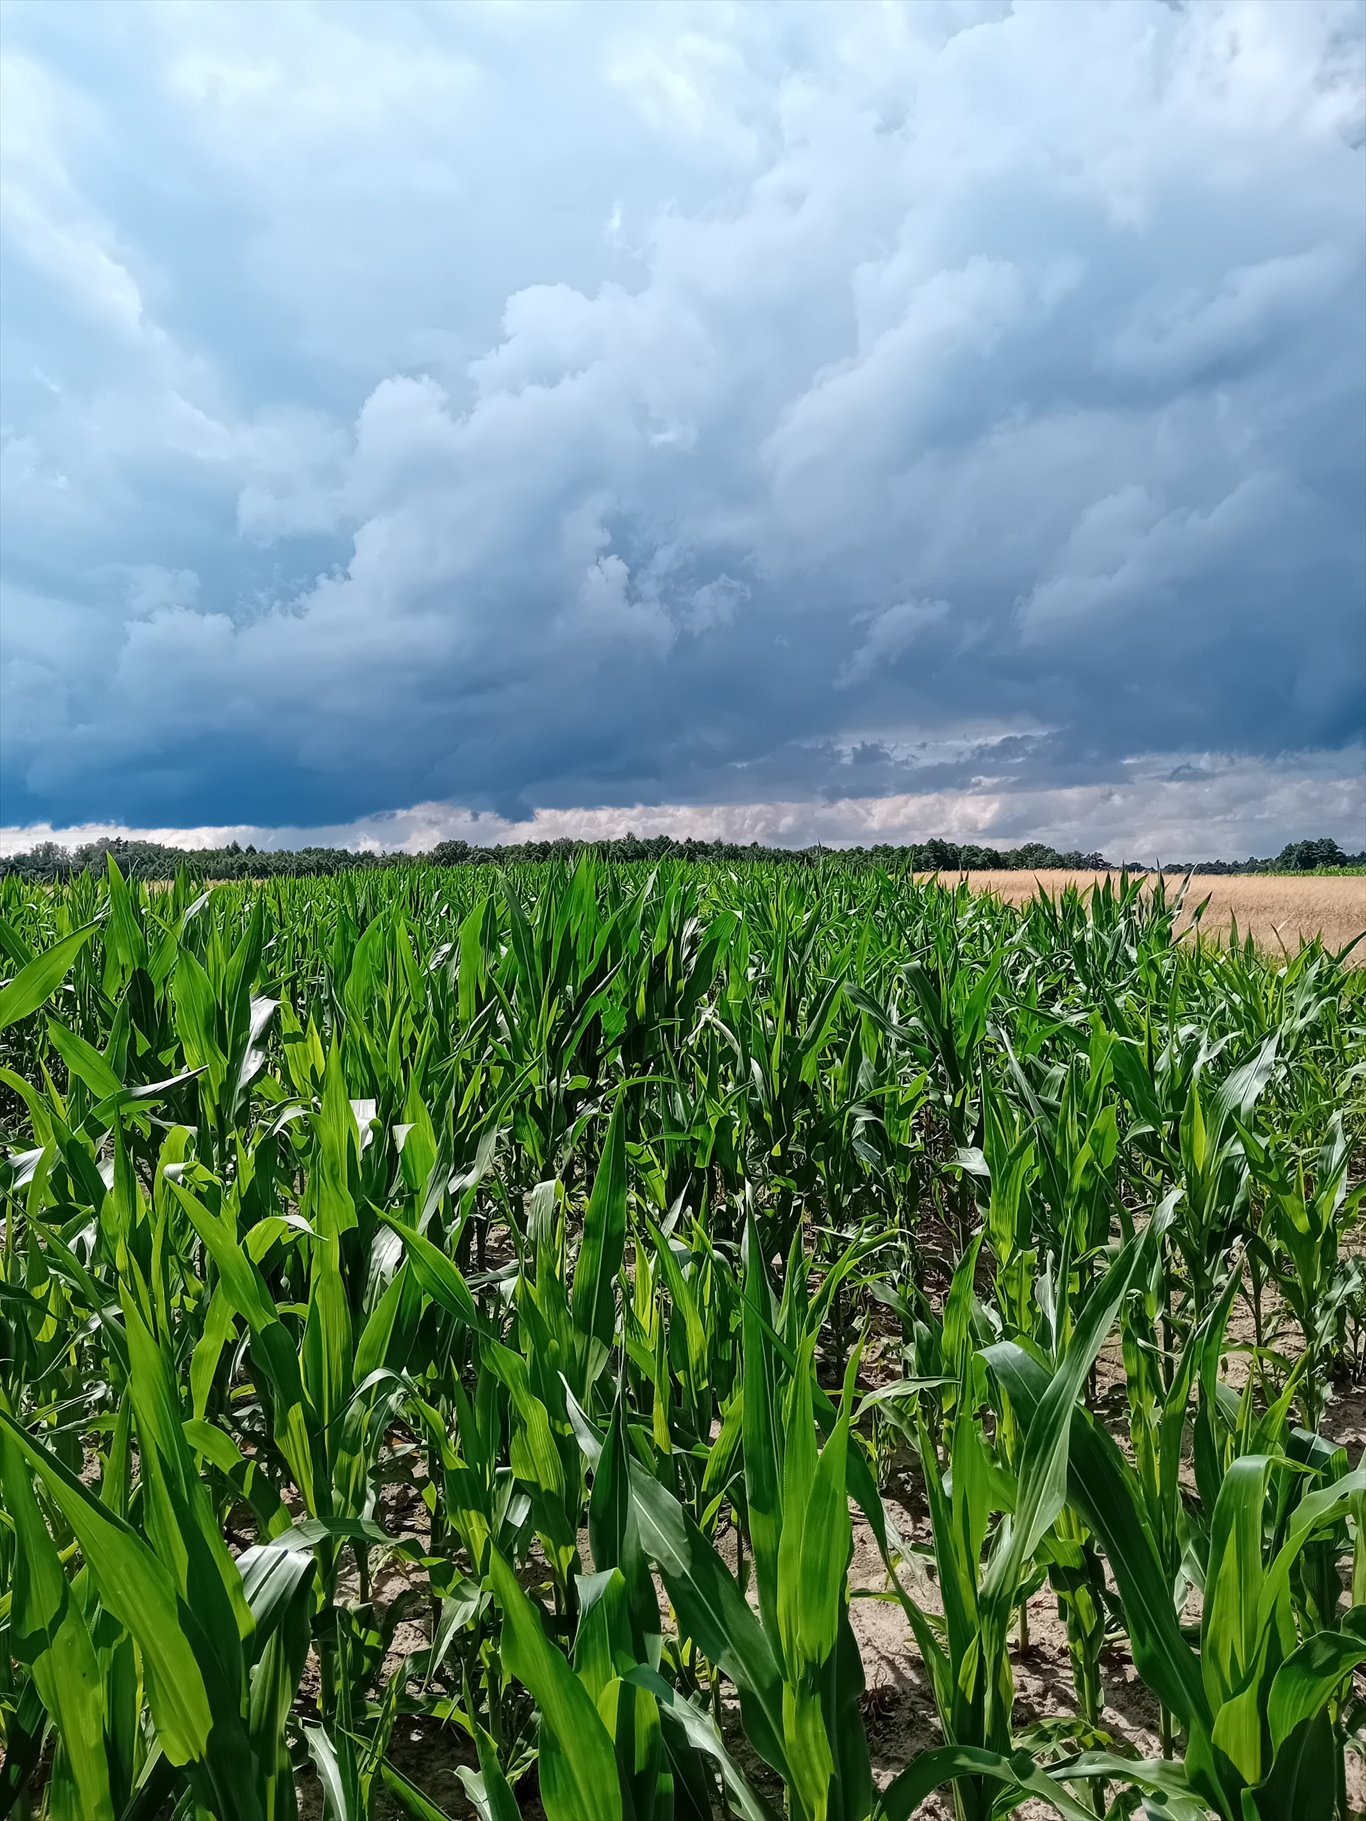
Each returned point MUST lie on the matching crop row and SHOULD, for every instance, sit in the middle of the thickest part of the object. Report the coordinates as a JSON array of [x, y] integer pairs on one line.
[[484, 1307]]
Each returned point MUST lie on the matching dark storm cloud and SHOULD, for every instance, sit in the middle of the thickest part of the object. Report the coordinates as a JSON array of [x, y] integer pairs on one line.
[[528, 411]]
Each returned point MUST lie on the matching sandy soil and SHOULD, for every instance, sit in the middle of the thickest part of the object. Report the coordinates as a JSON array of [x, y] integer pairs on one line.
[[898, 1707], [1278, 911]]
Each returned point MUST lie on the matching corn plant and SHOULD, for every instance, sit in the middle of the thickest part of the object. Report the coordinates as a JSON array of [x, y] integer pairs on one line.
[[496, 1304]]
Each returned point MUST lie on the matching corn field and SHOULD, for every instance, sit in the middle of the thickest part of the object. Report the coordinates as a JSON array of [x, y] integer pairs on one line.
[[470, 1316]]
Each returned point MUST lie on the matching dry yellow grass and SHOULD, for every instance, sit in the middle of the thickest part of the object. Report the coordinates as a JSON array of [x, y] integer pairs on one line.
[[1277, 910]]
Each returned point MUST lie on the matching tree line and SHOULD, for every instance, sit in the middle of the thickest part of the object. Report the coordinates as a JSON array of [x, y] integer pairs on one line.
[[154, 860]]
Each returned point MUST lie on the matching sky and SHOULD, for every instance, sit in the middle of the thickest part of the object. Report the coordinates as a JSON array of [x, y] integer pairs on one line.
[[788, 423]]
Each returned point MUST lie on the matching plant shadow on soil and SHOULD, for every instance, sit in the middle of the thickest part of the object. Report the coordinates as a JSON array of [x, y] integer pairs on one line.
[[898, 1705]]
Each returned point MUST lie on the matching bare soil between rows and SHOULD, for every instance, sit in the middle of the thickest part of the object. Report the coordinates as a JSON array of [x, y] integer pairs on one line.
[[898, 1705]]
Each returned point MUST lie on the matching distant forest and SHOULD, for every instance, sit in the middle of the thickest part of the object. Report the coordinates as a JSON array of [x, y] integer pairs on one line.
[[153, 860]]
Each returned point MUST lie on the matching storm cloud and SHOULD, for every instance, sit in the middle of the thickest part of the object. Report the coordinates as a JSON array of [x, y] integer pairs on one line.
[[745, 416]]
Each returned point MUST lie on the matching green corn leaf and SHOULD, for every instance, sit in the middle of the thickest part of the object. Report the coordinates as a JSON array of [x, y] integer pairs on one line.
[[1307, 1679], [1043, 1472], [579, 1780], [38, 979], [827, 1539], [84, 1061], [274, 1348], [950, 1763], [440, 1278], [614, 1535], [489, 1789], [179, 1522], [188, 1710], [342, 1798], [246, 1477], [1233, 1585], [1167, 1780], [48, 1632], [763, 1480], [799, 1461], [701, 1734], [1303, 1783], [712, 1611], [593, 1303], [1104, 1488], [410, 1798]]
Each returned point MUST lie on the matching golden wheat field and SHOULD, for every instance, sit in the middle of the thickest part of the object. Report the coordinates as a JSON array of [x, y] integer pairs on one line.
[[1278, 910]]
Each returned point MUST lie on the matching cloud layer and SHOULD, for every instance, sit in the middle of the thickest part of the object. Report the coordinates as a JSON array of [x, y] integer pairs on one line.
[[835, 416]]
